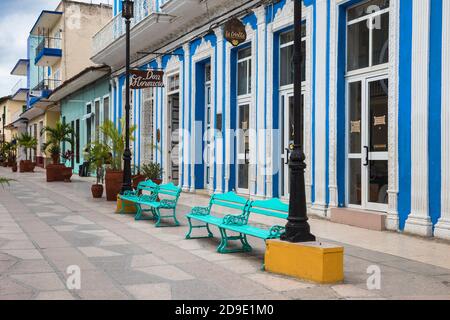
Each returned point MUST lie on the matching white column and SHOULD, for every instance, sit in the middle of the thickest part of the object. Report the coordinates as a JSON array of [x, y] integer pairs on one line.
[[419, 221], [261, 158], [442, 228], [187, 111], [320, 207], [229, 153], [392, 220], [220, 107], [332, 111]]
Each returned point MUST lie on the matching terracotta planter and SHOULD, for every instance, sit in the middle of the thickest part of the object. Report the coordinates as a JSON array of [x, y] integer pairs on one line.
[[113, 184], [67, 174], [58, 172], [137, 179], [55, 158], [157, 181], [14, 168], [97, 191], [26, 166]]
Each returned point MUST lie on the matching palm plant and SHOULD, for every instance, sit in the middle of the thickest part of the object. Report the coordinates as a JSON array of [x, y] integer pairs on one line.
[[27, 141], [116, 141], [62, 132], [4, 181], [98, 156]]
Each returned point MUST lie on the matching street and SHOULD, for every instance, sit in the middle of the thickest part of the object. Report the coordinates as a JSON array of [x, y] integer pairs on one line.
[[48, 229]]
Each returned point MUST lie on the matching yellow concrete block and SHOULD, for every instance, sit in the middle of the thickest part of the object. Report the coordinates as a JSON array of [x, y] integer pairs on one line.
[[313, 261], [129, 206]]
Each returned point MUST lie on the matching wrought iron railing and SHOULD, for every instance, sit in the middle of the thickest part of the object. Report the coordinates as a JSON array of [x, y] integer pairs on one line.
[[115, 28], [48, 42], [47, 84]]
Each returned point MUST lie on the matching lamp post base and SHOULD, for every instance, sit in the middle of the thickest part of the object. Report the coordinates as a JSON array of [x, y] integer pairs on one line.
[[297, 232]]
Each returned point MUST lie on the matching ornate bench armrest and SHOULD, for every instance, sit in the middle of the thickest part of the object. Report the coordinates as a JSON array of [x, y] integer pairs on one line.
[[130, 193], [168, 204], [240, 220], [148, 197], [200, 211], [277, 231]]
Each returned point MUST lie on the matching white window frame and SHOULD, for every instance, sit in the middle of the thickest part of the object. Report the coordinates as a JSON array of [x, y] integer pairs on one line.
[[366, 18]]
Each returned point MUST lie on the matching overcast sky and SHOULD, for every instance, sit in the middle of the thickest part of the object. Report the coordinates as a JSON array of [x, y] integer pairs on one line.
[[16, 21]]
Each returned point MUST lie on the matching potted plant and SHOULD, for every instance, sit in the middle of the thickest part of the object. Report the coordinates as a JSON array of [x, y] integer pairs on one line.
[[12, 156], [152, 171], [137, 177], [67, 171], [57, 135], [116, 146], [6, 181], [98, 156], [28, 142]]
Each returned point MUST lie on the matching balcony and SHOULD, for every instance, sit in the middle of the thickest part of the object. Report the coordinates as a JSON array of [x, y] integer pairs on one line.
[[48, 51], [116, 27], [20, 91], [152, 27], [43, 90]]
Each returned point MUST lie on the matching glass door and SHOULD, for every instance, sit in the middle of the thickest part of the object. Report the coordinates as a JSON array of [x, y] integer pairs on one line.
[[208, 129], [367, 149], [243, 148], [174, 107]]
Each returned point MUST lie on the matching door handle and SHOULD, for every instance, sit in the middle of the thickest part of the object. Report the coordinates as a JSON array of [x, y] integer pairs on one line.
[[367, 156], [287, 155]]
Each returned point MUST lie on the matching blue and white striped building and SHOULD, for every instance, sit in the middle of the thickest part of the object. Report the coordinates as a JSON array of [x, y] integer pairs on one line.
[[376, 99]]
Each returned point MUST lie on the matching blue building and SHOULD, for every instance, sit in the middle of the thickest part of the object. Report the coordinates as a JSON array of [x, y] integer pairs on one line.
[[375, 91]]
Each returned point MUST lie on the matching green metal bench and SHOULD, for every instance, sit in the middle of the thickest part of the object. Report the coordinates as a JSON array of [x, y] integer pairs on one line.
[[230, 201], [166, 198], [130, 198], [271, 208]]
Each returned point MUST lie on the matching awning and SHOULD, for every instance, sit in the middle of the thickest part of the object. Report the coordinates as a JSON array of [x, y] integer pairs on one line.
[[21, 68], [32, 113], [20, 95], [47, 19], [84, 78]]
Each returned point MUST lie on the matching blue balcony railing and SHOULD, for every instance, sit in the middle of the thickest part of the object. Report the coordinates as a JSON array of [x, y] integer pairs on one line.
[[50, 48]]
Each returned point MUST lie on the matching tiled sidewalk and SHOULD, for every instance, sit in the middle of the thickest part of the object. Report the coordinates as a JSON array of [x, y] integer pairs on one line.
[[47, 227]]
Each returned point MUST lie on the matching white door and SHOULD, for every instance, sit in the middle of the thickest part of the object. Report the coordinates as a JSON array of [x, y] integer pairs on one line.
[[367, 149], [243, 149]]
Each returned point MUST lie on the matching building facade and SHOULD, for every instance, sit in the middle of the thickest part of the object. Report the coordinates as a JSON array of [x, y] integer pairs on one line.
[[59, 47], [85, 104], [375, 96]]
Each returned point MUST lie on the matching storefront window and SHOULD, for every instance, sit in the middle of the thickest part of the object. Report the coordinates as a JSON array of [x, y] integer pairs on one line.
[[287, 57], [245, 71], [368, 34]]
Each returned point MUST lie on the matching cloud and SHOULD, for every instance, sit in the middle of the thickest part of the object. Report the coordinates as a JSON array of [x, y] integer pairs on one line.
[[18, 17]]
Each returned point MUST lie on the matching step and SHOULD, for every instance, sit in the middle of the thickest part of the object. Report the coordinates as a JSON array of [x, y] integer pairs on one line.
[[372, 220]]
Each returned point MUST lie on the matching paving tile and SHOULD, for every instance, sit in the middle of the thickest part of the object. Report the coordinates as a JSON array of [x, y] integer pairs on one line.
[[146, 260], [6, 265], [31, 267], [278, 283], [110, 294], [97, 252], [241, 266], [351, 291], [54, 295], [40, 281], [17, 296], [26, 254], [156, 291], [167, 272], [17, 244]]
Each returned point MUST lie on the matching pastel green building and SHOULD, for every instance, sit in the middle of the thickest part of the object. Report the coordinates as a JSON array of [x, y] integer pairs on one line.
[[85, 104]]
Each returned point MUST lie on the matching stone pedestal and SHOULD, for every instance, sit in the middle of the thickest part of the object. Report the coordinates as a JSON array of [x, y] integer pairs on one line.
[[312, 261]]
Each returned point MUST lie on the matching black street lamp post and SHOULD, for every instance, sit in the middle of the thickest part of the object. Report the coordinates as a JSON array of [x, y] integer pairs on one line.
[[127, 13], [297, 228]]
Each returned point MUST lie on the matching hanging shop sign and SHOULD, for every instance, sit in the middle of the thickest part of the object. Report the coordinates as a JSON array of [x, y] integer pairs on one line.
[[140, 79], [234, 32]]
